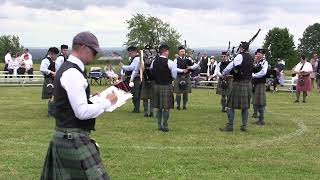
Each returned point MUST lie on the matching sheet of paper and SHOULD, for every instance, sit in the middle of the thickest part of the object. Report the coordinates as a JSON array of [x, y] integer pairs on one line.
[[122, 97]]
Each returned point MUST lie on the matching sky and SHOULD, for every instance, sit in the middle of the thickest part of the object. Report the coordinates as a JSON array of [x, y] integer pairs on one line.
[[203, 23]]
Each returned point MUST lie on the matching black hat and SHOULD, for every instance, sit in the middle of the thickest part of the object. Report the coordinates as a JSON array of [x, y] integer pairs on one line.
[[63, 46], [262, 51], [132, 48], [163, 48], [181, 47], [224, 53], [53, 50], [303, 56], [244, 45]]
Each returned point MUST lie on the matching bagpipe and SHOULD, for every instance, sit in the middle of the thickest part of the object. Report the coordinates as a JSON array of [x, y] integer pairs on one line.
[[147, 56], [236, 71]]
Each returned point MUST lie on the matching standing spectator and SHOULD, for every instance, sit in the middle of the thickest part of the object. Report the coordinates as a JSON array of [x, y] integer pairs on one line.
[[7, 58], [314, 63], [303, 71]]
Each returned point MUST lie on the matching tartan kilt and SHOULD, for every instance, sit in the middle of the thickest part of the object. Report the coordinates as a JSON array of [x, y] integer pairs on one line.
[[240, 95], [307, 86], [47, 92], [147, 90], [177, 81], [259, 95], [163, 96], [222, 91], [77, 158]]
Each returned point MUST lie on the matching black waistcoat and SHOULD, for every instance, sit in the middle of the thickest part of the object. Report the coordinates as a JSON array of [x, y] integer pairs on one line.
[[64, 114]]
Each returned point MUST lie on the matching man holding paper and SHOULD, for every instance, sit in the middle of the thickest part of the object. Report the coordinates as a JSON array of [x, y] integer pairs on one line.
[[72, 154]]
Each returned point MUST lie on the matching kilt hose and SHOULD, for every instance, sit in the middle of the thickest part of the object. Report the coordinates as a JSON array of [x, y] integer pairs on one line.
[[163, 96], [259, 95], [240, 95], [73, 155], [178, 89], [146, 89], [47, 91]]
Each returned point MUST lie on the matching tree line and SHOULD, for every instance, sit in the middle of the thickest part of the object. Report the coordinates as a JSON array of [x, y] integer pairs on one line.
[[150, 30]]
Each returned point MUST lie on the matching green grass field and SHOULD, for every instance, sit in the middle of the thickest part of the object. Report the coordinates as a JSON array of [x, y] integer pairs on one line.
[[287, 147]]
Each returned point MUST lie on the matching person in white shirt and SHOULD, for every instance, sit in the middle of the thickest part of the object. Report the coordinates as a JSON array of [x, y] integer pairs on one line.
[[132, 72], [259, 86], [7, 58], [109, 70], [224, 84], [26, 51], [13, 65], [27, 59], [303, 70], [62, 57], [75, 117], [212, 64]]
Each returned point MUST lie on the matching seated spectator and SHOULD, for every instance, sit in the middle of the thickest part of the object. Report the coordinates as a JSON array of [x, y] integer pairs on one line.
[[29, 64], [109, 70], [13, 65]]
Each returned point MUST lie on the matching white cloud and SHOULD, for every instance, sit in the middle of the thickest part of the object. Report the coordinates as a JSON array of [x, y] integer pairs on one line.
[[213, 25]]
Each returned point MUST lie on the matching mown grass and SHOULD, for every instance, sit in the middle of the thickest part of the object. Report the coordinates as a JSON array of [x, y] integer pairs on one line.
[[287, 147]]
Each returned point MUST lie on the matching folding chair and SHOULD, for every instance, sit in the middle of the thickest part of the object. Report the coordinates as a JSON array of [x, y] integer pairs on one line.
[[95, 75]]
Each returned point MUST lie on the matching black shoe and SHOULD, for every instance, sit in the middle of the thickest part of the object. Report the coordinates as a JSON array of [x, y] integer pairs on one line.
[[166, 129], [254, 115], [227, 128], [243, 129], [146, 115], [184, 108], [304, 101], [178, 108], [259, 122], [151, 115], [159, 128], [296, 101]]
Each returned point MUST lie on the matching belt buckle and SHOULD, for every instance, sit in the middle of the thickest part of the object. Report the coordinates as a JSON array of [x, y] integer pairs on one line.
[[69, 136]]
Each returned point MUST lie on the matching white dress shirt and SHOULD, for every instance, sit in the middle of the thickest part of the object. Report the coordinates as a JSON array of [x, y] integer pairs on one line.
[[73, 81], [13, 64], [134, 67], [59, 62], [263, 71], [236, 61], [7, 58], [44, 66]]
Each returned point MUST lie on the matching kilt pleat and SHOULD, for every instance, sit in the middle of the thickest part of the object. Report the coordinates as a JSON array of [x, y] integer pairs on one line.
[[224, 91], [240, 95], [163, 96], [177, 81], [76, 158], [259, 95], [146, 90]]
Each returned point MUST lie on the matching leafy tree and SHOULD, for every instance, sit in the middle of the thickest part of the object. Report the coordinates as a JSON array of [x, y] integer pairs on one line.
[[282, 46], [9, 42], [149, 30], [310, 42]]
